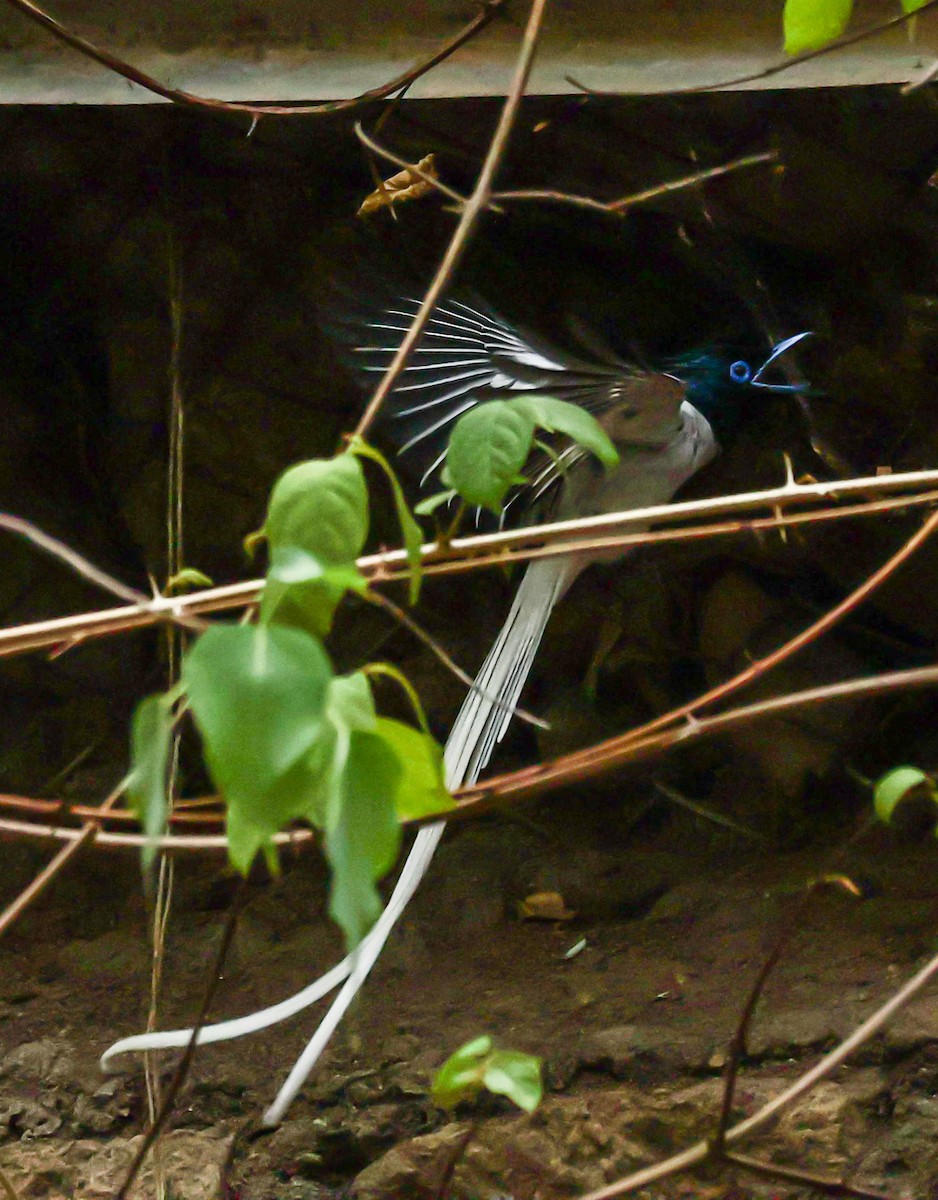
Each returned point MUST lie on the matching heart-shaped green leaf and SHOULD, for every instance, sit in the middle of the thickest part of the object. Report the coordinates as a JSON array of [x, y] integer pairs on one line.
[[487, 450]]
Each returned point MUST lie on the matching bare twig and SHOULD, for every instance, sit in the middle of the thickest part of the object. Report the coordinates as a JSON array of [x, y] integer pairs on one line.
[[620, 207], [817, 1183], [86, 569], [471, 212], [783, 939], [185, 1063], [539, 780], [404, 618], [34, 890], [71, 558], [415, 168], [548, 195], [698, 1153], [708, 814], [487, 10], [469, 552], [849, 39]]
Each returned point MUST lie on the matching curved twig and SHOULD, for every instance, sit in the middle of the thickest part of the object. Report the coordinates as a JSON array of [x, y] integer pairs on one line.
[[487, 10], [848, 39]]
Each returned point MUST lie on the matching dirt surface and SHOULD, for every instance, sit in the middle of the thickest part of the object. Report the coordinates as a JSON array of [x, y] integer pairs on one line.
[[676, 919]]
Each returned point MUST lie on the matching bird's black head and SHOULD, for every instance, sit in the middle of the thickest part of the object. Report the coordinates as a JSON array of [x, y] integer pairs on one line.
[[723, 386]]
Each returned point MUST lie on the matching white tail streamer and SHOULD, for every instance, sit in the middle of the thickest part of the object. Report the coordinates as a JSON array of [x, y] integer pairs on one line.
[[481, 724]]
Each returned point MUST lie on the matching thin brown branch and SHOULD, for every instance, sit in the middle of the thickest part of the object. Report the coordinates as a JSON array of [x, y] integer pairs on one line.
[[783, 939], [487, 11], [549, 195], [71, 558], [701, 1151], [817, 629], [422, 635], [84, 567], [796, 60], [415, 168], [472, 553], [471, 212], [817, 1183], [621, 206], [611, 755], [51, 870], [185, 1063], [537, 781]]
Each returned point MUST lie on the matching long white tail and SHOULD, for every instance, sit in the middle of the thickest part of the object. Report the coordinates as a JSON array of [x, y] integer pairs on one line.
[[480, 725]]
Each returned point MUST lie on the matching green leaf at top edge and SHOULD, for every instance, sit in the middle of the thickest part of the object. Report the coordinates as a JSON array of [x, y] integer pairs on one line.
[[810, 24]]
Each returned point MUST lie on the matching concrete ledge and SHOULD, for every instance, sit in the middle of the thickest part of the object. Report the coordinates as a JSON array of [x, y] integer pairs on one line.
[[318, 49]]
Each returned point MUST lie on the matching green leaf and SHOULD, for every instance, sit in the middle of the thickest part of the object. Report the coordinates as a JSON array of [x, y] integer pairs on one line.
[[428, 507], [421, 790], [317, 523], [365, 840], [898, 787], [410, 530], [188, 577], [560, 416], [150, 742], [487, 450], [478, 1065], [911, 6], [290, 564], [350, 702], [320, 506], [258, 695], [517, 1076], [810, 24], [460, 1077]]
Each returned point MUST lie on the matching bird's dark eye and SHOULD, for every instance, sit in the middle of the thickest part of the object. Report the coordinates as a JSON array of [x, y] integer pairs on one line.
[[740, 372]]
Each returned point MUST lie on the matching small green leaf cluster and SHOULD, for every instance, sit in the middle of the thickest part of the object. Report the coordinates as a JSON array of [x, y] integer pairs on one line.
[[811, 24], [479, 1066], [905, 793], [491, 443], [286, 739]]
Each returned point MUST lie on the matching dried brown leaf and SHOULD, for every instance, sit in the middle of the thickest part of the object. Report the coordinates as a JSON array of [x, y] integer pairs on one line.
[[405, 185]]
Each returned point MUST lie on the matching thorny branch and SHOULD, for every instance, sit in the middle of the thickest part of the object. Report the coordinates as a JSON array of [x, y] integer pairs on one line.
[[487, 11], [88, 571], [471, 553]]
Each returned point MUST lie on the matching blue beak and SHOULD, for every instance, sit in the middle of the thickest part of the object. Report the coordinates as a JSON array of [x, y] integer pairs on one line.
[[777, 352]]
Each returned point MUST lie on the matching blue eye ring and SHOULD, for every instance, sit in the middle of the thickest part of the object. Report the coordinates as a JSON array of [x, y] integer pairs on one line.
[[740, 372]]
